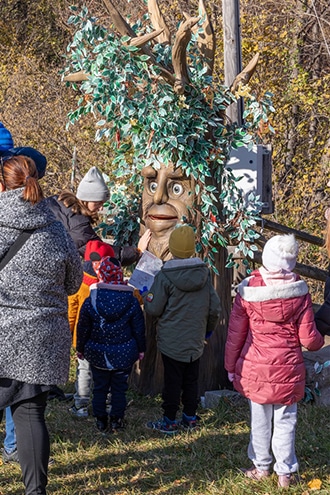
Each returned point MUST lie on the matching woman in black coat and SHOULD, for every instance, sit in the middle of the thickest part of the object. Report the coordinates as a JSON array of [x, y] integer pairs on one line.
[[79, 213]]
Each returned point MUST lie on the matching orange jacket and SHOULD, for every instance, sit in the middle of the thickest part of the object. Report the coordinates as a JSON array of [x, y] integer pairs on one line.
[[76, 300]]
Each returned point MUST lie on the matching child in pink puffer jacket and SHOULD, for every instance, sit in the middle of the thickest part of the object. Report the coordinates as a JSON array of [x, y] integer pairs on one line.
[[271, 319]]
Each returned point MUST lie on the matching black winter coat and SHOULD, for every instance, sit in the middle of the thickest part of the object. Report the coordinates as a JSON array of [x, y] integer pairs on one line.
[[322, 316], [80, 229]]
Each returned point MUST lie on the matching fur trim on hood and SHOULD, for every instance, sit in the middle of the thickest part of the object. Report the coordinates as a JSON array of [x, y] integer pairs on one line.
[[266, 293]]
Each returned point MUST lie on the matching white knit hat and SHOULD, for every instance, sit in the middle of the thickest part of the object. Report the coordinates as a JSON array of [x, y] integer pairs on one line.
[[93, 187], [280, 253]]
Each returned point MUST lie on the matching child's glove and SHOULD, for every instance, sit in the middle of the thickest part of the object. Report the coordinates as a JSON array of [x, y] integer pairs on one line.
[[80, 356], [141, 356], [231, 377]]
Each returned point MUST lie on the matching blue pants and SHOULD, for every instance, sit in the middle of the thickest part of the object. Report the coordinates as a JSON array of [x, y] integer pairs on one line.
[[9, 443], [117, 382]]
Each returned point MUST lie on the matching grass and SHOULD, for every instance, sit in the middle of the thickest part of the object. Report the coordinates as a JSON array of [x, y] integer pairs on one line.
[[139, 461]]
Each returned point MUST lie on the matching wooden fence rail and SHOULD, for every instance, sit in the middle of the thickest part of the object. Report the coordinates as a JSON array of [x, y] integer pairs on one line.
[[304, 270]]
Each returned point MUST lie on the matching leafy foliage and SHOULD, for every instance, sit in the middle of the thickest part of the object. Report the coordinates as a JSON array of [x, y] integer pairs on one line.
[[148, 124]]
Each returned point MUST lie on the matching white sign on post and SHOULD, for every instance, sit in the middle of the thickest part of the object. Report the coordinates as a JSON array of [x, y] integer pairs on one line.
[[254, 166]]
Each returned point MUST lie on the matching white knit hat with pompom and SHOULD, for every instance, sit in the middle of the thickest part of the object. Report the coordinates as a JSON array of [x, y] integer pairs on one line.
[[280, 253]]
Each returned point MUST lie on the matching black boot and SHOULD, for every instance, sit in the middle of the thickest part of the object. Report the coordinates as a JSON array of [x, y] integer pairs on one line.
[[102, 423], [116, 423]]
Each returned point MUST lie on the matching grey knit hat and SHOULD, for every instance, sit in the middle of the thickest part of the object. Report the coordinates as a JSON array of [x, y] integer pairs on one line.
[[93, 187]]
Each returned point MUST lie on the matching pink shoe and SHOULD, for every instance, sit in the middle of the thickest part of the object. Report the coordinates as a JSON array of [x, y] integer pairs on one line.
[[256, 474], [286, 480]]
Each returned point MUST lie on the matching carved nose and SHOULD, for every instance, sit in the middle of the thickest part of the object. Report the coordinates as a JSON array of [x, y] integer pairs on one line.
[[160, 196]]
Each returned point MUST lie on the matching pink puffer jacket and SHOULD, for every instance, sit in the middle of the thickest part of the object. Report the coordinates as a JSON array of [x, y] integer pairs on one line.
[[267, 327]]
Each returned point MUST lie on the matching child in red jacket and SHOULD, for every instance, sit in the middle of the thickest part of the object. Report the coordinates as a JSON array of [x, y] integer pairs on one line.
[[271, 319]]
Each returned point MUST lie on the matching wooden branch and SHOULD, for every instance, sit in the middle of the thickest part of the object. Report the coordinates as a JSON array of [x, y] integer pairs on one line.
[[206, 38], [142, 40], [76, 77], [158, 22], [122, 26], [246, 74], [179, 56], [125, 30]]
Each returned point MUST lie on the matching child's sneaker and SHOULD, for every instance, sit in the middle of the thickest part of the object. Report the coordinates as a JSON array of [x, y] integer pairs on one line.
[[116, 424], [9, 456], [164, 425], [102, 423], [189, 422], [255, 474], [286, 480], [79, 412]]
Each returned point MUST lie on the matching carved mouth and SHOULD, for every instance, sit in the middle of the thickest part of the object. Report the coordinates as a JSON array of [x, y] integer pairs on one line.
[[162, 217]]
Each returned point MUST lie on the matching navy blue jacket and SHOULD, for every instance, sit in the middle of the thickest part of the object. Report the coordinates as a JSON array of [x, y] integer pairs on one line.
[[111, 329]]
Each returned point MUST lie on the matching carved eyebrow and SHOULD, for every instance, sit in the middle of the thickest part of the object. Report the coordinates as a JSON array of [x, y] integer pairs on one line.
[[151, 173]]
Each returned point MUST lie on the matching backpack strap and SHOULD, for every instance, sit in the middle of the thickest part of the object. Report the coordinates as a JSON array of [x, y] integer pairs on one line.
[[15, 247]]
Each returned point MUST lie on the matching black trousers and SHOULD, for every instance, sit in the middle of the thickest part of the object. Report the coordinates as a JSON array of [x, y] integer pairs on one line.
[[32, 442], [180, 377], [117, 382]]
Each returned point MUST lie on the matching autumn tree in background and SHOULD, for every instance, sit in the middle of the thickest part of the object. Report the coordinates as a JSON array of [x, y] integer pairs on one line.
[[293, 40], [34, 103], [292, 37]]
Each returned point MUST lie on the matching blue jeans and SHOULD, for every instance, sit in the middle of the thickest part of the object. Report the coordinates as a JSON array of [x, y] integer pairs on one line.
[[117, 382], [10, 438]]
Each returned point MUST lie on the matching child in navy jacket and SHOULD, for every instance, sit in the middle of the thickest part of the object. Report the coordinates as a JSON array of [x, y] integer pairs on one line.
[[111, 336]]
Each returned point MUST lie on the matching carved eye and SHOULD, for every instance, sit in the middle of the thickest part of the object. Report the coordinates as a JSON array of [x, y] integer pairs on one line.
[[153, 187], [177, 189]]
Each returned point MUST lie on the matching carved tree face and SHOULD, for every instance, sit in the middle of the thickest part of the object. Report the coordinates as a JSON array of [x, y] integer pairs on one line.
[[166, 198]]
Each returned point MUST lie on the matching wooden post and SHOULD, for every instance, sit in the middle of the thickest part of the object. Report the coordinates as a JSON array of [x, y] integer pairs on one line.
[[232, 53]]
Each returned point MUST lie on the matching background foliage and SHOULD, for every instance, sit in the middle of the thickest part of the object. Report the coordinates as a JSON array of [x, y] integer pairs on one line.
[[291, 37]]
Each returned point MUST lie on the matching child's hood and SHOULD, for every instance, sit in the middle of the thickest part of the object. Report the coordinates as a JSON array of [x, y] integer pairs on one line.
[[274, 303], [111, 301], [188, 274]]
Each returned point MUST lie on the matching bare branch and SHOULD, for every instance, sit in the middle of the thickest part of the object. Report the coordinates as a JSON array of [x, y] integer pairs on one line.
[[206, 38], [125, 30], [76, 77], [158, 21], [246, 74], [122, 26], [179, 57], [142, 40]]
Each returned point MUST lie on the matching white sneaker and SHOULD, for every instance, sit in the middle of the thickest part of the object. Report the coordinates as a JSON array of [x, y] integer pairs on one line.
[[79, 412]]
